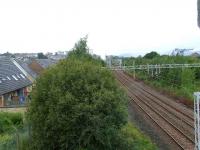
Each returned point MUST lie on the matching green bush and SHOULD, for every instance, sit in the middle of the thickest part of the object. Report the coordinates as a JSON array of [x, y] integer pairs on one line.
[[77, 105], [8, 121]]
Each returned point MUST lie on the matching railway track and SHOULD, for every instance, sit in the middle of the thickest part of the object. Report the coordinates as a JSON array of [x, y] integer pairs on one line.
[[175, 121], [167, 101], [179, 117]]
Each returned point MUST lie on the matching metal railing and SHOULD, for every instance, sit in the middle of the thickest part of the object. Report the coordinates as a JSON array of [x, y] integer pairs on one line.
[[156, 66]]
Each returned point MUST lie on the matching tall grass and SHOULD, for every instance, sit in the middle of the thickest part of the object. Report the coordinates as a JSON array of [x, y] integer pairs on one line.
[[14, 133]]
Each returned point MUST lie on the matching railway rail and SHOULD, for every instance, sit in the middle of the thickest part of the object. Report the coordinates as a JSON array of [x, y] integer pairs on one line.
[[174, 120]]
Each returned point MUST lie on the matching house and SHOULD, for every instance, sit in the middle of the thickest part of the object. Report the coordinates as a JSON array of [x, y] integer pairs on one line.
[[45, 63], [34, 67], [25, 64], [15, 85], [17, 76]]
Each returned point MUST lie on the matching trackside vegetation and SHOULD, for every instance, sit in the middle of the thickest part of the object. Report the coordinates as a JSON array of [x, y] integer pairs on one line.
[[11, 126], [77, 105], [180, 82]]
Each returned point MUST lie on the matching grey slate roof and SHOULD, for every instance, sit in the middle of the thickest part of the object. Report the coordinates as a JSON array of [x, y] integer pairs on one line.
[[11, 78], [25, 65], [45, 63]]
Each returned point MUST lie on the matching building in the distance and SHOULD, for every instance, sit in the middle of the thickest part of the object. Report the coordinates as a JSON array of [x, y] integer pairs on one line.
[[58, 55], [25, 55]]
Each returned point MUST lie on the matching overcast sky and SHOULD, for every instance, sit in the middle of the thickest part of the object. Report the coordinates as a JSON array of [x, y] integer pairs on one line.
[[113, 26]]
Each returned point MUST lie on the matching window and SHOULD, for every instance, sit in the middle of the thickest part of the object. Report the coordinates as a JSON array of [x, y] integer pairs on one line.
[[14, 77], [22, 76]]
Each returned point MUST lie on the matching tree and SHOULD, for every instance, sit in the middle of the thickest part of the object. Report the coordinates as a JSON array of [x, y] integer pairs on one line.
[[80, 48], [80, 51], [77, 105], [151, 55], [42, 56]]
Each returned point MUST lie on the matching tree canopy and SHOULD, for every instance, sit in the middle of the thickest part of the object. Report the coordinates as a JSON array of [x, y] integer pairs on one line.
[[41, 56], [80, 48], [77, 105], [151, 55]]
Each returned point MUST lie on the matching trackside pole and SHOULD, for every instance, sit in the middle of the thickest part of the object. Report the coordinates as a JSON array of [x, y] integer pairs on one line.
[[197, 120], [148, 68], [152, 72], [156, 69], [134, 69], [159, 69]]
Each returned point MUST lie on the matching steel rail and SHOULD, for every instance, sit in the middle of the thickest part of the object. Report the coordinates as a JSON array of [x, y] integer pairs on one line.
[[146, 89], [157, 114], [178, 125], [159, 102]]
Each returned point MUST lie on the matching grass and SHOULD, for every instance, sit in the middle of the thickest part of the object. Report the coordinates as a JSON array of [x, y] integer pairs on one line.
[[136, 139], [11, 125], [10, 121], [14, 134]]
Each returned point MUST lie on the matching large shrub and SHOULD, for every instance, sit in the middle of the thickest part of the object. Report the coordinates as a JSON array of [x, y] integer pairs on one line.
[[77, 105]]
